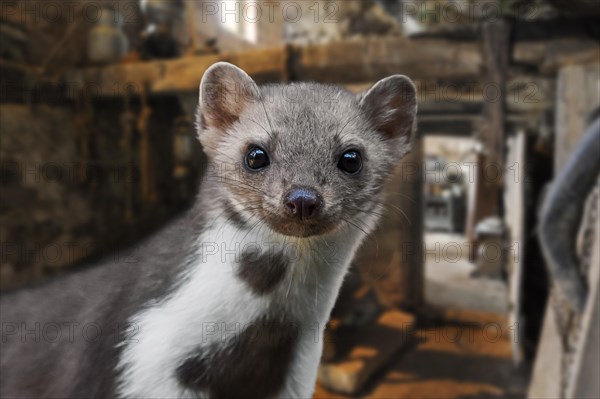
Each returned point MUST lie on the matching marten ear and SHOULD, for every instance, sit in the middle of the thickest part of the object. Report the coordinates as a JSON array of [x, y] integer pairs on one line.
[[225, 91], [391, 106]]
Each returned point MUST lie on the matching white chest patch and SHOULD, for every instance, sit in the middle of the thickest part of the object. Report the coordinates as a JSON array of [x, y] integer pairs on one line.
[[213, 306]]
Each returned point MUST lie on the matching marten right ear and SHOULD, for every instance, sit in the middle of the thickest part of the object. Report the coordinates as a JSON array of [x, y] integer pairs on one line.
[[225, 91], [391, 106]]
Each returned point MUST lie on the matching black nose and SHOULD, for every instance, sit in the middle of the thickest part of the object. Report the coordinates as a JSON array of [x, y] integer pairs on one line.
[[302, 203]]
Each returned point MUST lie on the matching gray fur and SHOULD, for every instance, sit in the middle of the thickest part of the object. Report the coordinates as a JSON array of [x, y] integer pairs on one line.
[[305, 128]]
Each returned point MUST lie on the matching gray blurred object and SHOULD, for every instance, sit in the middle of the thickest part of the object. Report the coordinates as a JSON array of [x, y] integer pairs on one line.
[[159, 11], [13, 41], [445, 198], [561, 215], [490, 234], [165, 35], [570, 336], [107, 42]]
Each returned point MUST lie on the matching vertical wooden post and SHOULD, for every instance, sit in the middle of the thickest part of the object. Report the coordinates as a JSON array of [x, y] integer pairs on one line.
[[409, 198], [392, 259], [577, 95], [483, 198], [495, 50]]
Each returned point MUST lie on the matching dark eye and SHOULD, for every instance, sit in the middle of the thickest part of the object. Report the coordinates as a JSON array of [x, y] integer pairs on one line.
[[257, 158], [350, 162]]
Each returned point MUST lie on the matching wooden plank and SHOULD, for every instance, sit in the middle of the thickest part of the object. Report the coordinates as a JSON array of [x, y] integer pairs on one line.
[[175, 76], [551, 55], [265, 65], [577, 95], [376, 344], [183, 74], [524, 93], [370, 59], [527, 93], [356, 60], [113, 80], [515, 217], [392, 258], [482, 200]]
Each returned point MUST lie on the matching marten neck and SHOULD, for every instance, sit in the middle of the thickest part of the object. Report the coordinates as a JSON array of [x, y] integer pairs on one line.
[[240, 274]]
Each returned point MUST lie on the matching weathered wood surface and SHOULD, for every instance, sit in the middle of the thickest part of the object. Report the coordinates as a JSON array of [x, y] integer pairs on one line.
[[379, 342], [176, 76], [483, 197], [356, 60], [430, 62], [495, 48], [351, 61], [483, 200], [515, 217], [551, 55], [370, 59], [391, 260], [525, 93], [577, 95]]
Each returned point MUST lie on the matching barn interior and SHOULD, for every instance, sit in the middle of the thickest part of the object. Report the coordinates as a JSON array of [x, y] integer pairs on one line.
[[452, 295]]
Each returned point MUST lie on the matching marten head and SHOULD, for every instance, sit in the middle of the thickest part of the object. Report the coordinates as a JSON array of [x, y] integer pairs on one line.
[[303, 158]]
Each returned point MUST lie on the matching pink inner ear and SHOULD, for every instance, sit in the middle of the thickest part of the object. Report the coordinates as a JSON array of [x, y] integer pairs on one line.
[[226, 92], [215, 109], [391, 106]]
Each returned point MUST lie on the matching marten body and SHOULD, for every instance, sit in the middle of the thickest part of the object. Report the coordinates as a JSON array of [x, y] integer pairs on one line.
[[231, 299]]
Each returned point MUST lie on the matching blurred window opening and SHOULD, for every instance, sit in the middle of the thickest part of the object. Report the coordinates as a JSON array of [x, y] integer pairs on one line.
[[240, 17]]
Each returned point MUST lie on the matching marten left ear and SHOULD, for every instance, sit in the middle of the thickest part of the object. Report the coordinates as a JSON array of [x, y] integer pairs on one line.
[[225, 91], [391, 106]]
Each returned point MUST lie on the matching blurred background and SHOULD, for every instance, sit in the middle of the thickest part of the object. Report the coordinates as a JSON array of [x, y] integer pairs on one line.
[[451, 297]]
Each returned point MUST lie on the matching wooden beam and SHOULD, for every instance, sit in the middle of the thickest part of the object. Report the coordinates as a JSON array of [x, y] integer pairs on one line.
[[349, 61], [176, 76], [447, 74], [370, 59], [551, 55], [265, 65], [524, 93]]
